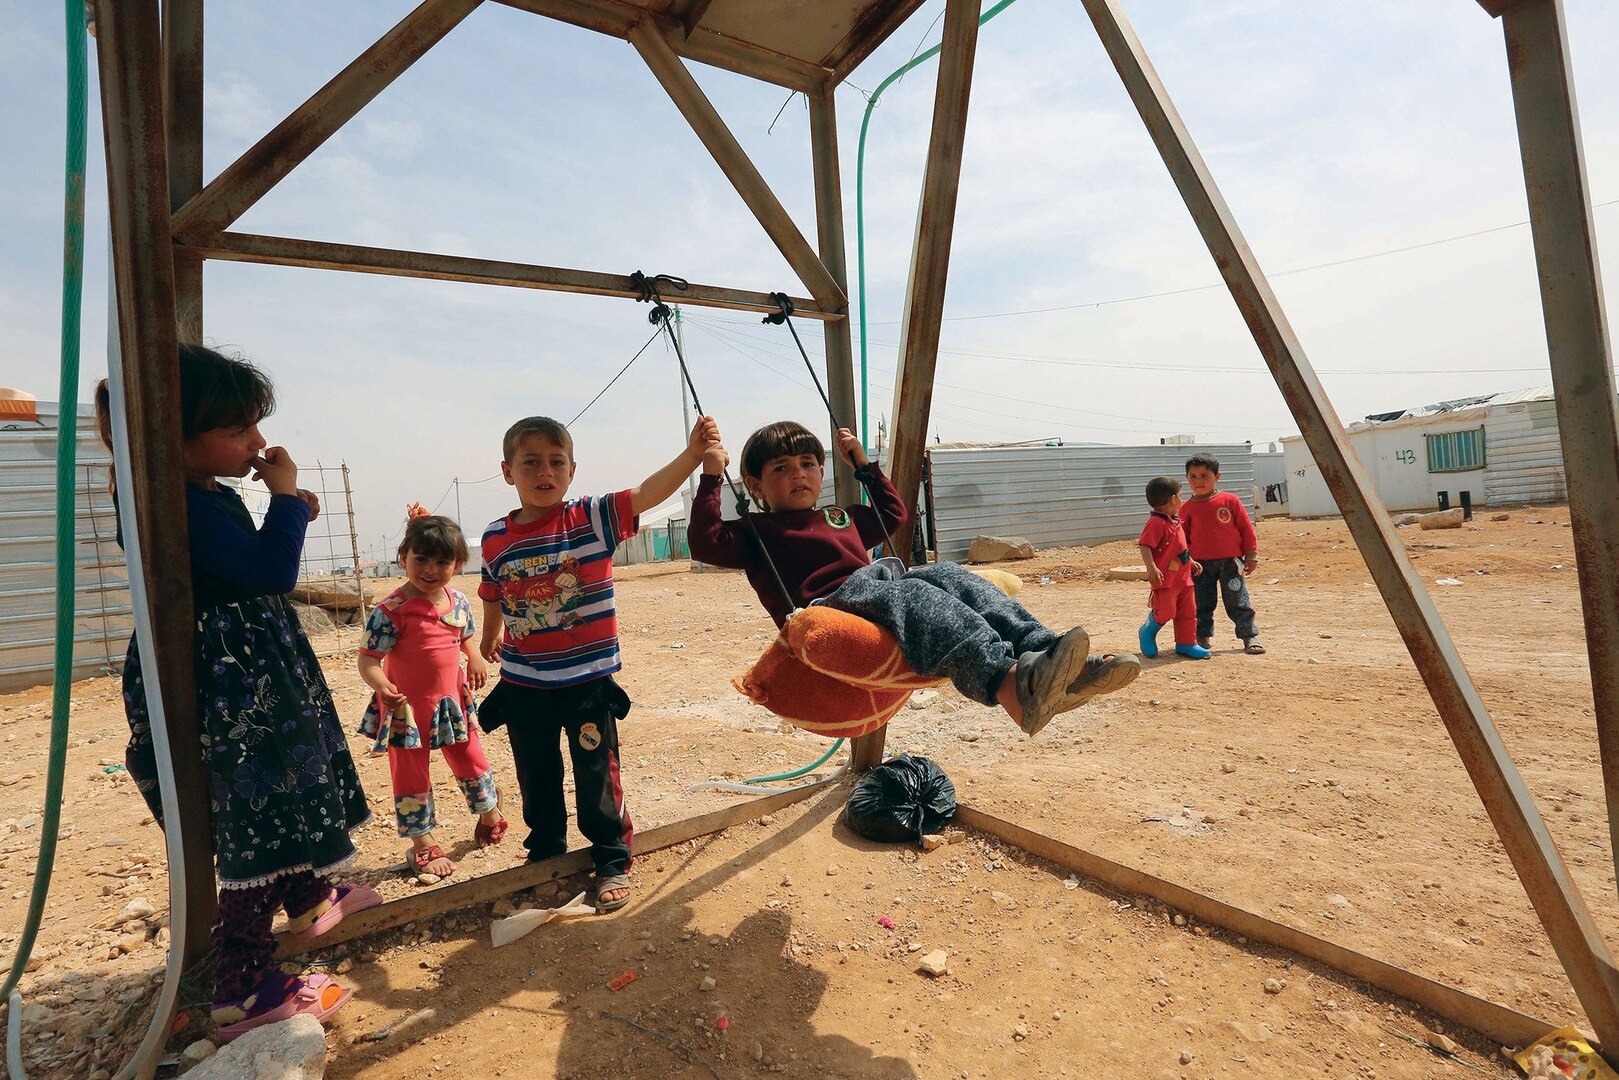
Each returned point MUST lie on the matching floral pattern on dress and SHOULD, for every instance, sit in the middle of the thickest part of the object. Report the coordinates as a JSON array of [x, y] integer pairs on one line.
[[283, 791], [452, 722]]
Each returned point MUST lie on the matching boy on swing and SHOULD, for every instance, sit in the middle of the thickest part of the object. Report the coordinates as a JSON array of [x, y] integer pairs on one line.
[[949, 621]]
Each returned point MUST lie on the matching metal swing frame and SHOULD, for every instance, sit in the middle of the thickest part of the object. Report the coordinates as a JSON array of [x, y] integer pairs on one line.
[[166, 221]]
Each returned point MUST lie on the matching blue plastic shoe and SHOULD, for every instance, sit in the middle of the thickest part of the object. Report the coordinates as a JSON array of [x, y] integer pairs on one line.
[[1148, 637], [1193, 652]]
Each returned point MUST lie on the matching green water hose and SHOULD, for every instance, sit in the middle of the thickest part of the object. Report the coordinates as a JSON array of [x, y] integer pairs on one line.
[[816, 764], [67, 435], [860, 205]]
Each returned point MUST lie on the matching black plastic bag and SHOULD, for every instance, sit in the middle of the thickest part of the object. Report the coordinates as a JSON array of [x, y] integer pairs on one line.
[[904, 798]]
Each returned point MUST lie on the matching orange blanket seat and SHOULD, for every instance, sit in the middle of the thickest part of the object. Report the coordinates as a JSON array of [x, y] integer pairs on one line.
[[832, 673]]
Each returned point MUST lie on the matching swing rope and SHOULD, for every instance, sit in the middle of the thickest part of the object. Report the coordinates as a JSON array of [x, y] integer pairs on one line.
[[661, 316], [784, 316]]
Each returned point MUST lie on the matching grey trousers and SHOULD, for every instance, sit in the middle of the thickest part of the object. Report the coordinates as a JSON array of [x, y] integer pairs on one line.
[[1217, 578], [949, 621]]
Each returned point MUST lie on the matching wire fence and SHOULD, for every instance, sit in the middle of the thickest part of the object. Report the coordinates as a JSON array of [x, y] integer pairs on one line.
[[331, 596]]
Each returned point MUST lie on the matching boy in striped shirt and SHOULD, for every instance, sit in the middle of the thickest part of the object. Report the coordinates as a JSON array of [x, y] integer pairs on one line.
[[548, 584]]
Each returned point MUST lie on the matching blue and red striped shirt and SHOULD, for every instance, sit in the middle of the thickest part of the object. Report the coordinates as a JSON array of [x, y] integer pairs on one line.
[[553, 578]]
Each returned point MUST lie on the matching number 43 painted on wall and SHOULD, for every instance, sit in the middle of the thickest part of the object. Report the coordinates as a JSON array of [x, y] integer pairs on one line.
[[1406, 457]]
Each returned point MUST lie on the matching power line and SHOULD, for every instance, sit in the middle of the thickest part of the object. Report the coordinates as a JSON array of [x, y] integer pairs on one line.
[[614, 379], [1220, 285]]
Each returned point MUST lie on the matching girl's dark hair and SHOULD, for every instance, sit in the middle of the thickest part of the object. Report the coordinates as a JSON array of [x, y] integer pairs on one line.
[[219, 392], [1160, 489], [784, 438], [436, 537]]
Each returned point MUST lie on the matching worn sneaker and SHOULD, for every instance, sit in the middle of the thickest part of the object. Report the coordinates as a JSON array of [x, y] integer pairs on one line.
[[1100, 676], [1043, 678], [1207, 643]]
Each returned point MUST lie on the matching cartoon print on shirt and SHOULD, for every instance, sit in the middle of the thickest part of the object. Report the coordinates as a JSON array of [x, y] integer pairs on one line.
[[544, 603]]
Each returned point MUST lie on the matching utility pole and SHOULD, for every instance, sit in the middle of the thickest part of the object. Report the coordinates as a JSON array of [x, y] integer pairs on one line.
[[457, 484]]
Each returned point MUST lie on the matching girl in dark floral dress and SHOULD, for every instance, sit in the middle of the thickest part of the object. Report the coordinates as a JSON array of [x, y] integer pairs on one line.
[[284, 794]]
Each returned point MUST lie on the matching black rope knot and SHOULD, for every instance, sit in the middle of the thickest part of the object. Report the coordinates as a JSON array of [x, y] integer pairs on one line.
[[784, 309]]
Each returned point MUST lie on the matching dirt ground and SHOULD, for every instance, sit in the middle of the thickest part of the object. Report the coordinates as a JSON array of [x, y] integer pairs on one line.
[[1314, 785]]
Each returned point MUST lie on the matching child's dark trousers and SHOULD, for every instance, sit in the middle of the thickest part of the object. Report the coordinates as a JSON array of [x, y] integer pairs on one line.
[[588, 715], [949, 621], [1223, 580]]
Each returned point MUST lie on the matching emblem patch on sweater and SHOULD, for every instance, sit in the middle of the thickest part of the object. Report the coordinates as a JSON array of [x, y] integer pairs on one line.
[[837, 517]]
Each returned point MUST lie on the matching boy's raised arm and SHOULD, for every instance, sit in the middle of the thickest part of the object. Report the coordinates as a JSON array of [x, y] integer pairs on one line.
[[666, 481], [708, 537]]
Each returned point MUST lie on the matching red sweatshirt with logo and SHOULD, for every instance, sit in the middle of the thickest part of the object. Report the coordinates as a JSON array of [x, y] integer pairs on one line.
[[1218, 527]]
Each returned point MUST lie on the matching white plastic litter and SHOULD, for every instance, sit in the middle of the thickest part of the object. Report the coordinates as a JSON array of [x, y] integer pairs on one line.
[[512, 927], [1447, 581]]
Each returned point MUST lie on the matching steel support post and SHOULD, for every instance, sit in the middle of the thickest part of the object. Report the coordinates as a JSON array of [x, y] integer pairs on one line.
[[129, 51], [1555, 897], [1577, 340], [269, 160], [924, 296], [829, 227], [648, 39], [182, 49], [930, 258]]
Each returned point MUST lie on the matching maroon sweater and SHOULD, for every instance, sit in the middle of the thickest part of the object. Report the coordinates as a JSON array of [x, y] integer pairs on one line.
[[814, 550]]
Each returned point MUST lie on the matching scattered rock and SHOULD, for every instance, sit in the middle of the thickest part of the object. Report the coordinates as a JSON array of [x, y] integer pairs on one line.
[[707, 984], [294, 1049], [833, 870], [1407, 519], [1228, 768], [1442, 519], [1186, 1057], [503, 907], [935, 963], [427, 879], [1446, 581], [195, 1054], [314, 620], [1274, 986], [1020, 1032], [1179, 920], [1127, 573], [921, 699], [137, 909], [1337, 900], [989, 549], [1440, 1041], [932, 842], [1500, 517]]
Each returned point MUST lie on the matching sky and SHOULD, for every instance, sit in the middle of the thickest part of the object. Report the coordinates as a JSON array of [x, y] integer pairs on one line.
[[1081, 304]]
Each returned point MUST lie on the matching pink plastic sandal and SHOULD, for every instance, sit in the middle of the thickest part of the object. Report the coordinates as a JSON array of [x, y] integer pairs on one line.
[[317, 995], [345, 900]]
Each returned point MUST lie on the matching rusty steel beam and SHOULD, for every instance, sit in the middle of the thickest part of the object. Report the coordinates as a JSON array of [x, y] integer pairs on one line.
[[615, 19], [705, 121], [319, 255], [930, 257], [840, 383], [1539, 865], [182, 50], [481, 890], [129, 52], [874, 27], [1498, 8], [1506, 1026], [229, 195], [1577, 341], [924, 294], [688, 13]]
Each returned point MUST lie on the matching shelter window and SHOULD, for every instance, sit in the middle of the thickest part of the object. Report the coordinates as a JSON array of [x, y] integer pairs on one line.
[[1456, 451]]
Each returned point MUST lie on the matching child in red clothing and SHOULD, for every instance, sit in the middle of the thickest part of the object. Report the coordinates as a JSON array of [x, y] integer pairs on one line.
[[1221, 538], [1170, 568], [415, 640]]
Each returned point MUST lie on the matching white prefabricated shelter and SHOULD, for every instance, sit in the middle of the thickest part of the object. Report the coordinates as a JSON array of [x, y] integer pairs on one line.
[[1500, 449], [1060, 495], [102, 621]]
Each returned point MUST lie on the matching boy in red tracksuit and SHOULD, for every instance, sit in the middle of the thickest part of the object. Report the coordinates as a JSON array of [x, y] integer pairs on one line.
[[1170, 568], [1222, 539]]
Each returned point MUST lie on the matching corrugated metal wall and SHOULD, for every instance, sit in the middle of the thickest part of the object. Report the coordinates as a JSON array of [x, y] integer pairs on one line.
[[1062, 495], [28, 555], [1524, 462]]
